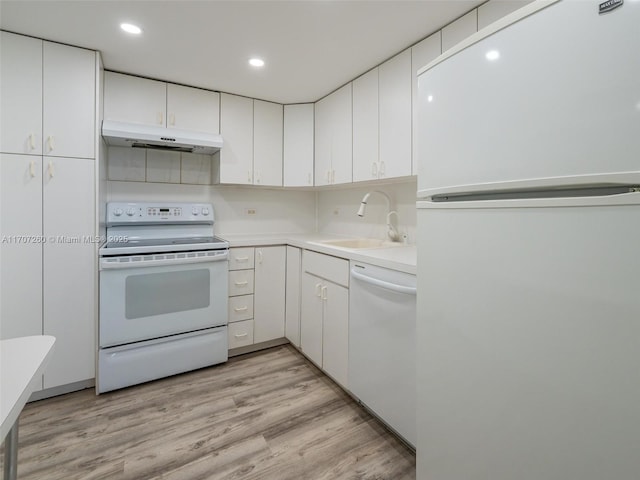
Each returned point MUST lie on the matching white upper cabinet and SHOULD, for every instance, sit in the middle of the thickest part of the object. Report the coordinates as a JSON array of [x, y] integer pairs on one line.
[[333, 148], [151, 102], [48, 98], [193, 109], [457, 31], [267, 143], [20, 94], [298, 145], [134, 99], [421, 54], [236, 128], [395, 116], [252, 134], [68, 123], [365, 127]]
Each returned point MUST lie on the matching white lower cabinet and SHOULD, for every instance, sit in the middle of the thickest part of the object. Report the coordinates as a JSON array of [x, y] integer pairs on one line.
[[324, 314], [47, 225], [292, 296], [256, 295]]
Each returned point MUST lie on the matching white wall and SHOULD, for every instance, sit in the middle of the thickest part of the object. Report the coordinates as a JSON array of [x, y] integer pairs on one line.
[[277, 211], [337, 210]]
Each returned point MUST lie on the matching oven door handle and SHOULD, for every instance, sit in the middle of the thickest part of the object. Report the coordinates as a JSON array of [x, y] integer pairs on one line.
[[156, 260]]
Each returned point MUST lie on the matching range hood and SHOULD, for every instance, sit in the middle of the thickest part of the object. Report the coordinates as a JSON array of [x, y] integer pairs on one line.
[[148, 136]]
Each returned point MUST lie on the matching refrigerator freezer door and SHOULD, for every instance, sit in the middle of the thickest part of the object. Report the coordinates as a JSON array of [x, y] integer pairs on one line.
[[552, 99], [529, 340]]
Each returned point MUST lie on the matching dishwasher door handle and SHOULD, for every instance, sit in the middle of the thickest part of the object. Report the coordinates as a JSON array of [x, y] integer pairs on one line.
[[383, 284]]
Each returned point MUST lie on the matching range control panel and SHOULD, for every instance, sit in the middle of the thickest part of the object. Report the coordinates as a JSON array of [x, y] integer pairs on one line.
[[121, 213]]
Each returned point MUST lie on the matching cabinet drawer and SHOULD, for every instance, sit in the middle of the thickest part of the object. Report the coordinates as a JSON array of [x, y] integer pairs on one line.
[[241, 258], [325, 266], [240, 282], [240, 334], [240, 308]]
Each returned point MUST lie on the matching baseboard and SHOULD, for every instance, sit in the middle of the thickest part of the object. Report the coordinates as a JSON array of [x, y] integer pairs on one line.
[[62, 389]]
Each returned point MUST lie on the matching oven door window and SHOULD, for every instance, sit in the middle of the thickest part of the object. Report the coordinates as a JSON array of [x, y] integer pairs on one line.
[[150, 294]]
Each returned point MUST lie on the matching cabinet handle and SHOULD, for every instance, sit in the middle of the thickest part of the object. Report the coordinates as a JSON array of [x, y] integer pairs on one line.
[[51, 170], [382, 169], [241, 284], [259, 256], [324, 292], [328, 176], [241, 309], [242, 259], [160, 118], [333, 176], [318, 289], [50, 142], [240, 335], [172, 119], [374, 170], [32, 141], [32, 168]]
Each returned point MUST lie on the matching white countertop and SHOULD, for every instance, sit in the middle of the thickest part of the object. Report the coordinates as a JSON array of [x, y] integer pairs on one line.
[[401, 258], [22, 361]]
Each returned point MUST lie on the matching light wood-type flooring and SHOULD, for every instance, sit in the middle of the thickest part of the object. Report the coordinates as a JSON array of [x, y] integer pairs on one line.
[[266, 415]]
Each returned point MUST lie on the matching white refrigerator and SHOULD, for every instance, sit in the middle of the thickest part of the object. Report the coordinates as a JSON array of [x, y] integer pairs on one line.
[[528, 327]]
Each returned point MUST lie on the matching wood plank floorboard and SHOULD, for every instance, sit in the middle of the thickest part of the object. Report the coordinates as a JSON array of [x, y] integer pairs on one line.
[[268, 415]]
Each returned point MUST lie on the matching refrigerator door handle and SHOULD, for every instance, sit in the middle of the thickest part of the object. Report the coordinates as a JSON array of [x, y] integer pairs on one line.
[[382, 284]]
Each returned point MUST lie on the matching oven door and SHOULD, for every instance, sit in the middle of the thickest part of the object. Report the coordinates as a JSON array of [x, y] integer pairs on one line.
[[150, 296]]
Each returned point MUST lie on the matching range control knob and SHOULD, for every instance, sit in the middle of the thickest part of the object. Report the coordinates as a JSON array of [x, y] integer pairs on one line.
[[117, 212], [194, 211], [205, 211], [131, 211]]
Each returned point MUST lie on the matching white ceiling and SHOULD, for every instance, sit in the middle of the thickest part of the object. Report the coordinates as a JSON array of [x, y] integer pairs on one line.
[[310, 47]]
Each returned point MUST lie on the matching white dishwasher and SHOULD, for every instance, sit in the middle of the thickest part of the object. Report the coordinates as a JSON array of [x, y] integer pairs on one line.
[[382, 350]]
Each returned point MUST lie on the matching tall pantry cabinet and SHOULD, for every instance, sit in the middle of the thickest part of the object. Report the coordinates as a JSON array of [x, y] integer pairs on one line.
[[47, 200]]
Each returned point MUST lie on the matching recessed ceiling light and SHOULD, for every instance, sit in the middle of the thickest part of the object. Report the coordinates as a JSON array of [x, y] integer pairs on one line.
[[256, 62], [493, 55], [131, 28]]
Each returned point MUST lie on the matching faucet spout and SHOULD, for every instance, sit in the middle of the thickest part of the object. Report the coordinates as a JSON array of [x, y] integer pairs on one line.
[[392, 233]]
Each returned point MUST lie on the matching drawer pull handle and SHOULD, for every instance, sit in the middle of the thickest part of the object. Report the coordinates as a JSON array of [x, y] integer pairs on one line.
[[324, 292], [242, 259], [318, 289], [241, 309], [240, 335], [241, 284]]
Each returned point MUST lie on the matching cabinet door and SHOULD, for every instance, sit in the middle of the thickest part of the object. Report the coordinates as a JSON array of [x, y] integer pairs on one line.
[[236, 128], [268, 298], [267, 143], [365, 127], [335, 332], [21, 248], [69, 268], [342, 136], [134, 99], [292, 296], [311, 318], [20, 94], [69, 96], [395, 116], [322, 145], [298, 145], [193, 109], [421, 54]]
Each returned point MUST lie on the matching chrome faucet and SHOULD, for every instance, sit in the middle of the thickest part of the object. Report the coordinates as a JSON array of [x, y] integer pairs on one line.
[[392, 233]]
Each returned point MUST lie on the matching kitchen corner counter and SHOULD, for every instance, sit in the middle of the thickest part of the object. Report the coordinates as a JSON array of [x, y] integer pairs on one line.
[[400, 258]]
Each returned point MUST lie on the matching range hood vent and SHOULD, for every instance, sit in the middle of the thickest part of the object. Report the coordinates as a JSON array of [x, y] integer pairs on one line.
[[147, 136]]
